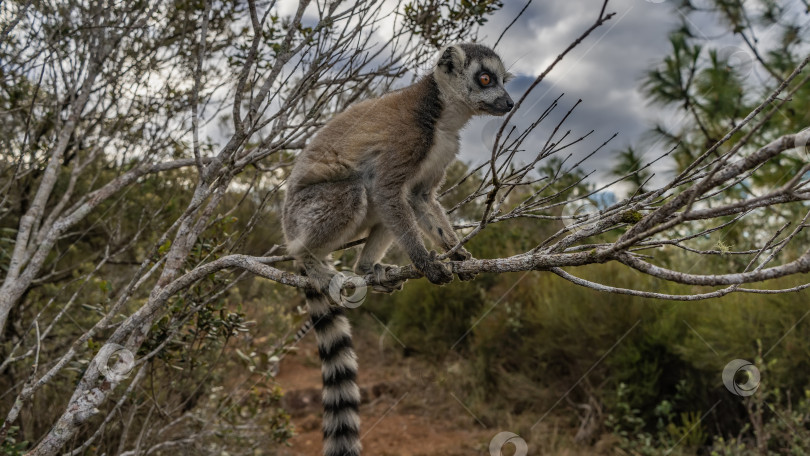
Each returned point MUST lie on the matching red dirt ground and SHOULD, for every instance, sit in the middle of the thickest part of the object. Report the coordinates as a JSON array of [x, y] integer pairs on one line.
[[400, 412]]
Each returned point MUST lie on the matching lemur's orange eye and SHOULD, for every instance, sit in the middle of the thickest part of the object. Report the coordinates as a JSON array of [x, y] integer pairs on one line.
[[484, 79]]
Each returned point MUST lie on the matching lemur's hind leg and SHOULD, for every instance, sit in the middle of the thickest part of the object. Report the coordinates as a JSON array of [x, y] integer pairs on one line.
[[378, 241], [319, 270], [319, 219]]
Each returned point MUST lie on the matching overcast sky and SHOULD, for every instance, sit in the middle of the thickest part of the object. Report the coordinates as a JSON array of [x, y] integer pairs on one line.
[[605, 71]]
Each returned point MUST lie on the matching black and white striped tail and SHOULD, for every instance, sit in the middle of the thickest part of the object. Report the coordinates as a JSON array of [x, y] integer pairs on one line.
[[341, 396]]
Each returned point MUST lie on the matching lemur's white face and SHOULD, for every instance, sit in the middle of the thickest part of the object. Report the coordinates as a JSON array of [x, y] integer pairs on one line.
[[474, 74]]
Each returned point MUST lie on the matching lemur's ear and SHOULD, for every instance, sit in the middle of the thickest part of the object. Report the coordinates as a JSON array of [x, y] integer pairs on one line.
[[452, 59]]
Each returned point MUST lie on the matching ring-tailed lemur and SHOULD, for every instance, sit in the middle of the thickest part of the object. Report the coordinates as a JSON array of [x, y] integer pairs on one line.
[[373, 171]]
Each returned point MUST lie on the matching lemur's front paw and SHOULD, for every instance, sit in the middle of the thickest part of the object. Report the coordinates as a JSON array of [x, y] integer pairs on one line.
[[383, 283], [461, 255], [435, 271]]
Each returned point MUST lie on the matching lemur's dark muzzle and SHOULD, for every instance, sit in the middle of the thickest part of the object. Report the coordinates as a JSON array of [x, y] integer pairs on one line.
[[503, 104]]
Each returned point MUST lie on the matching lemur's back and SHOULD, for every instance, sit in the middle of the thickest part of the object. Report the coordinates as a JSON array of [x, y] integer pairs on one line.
[[381, 126]]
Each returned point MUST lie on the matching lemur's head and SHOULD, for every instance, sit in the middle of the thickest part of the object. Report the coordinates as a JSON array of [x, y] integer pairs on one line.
[[474, 75]]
